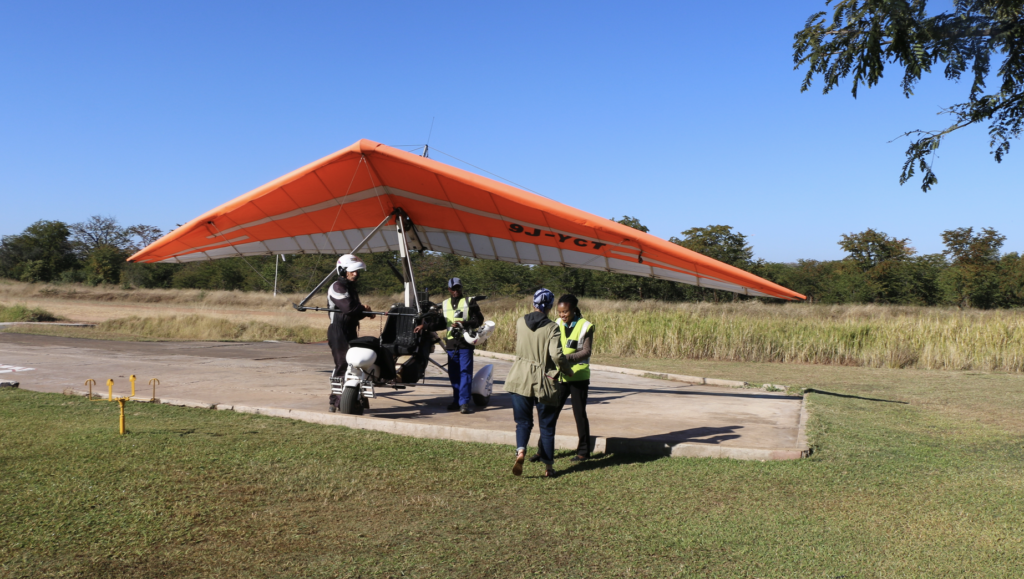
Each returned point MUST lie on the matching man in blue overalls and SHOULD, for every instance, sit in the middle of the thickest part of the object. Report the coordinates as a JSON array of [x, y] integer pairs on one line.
[[459, 314]]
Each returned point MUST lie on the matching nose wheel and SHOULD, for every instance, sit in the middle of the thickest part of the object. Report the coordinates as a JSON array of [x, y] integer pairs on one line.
[[349, 402]]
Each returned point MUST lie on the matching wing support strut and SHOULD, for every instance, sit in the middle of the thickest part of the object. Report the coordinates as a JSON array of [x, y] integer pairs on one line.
[[403, 247], [301, 305]]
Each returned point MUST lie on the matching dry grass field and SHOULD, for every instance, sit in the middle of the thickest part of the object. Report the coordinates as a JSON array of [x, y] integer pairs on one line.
[[174, 314], [97, 304], [854, 335]]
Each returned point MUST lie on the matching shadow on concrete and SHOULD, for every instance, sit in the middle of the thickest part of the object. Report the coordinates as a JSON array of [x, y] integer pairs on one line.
[[605, 399], [738, 394], [836, 394], [661, 444], [426, 407], [714, 434], [405, 414]]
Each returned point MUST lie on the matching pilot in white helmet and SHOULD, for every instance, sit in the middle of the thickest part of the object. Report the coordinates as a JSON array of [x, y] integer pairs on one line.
[[343, 297]]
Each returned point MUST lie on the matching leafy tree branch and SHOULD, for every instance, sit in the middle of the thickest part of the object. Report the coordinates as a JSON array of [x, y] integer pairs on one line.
[[863, 36]]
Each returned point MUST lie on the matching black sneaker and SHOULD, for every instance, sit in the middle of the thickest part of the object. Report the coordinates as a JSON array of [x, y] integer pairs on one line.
[[453, 407], [465, 409], [535, 458], [578, 458]]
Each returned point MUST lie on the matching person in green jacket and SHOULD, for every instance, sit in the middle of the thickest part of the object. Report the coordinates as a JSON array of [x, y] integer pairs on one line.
[[538, 353]]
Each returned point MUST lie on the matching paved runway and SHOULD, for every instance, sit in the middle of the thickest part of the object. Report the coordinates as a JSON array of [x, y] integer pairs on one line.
[[627, 413]]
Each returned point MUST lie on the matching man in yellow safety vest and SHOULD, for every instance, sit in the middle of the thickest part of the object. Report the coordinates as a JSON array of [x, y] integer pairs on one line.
[[460, 316]]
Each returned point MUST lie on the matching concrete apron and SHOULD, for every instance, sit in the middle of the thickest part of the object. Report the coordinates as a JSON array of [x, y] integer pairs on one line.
[[628, 413]]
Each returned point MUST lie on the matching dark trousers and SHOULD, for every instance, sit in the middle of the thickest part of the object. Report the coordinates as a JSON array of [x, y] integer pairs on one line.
[[338, 342], [460, 373], [547, 415], [578, 390]]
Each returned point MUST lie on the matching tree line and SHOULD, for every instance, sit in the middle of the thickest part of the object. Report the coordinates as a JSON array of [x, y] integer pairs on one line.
[[971, 272]]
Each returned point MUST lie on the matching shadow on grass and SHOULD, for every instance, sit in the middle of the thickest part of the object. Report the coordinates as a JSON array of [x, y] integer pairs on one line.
[[622, 451], [836, 394], [603, 460]]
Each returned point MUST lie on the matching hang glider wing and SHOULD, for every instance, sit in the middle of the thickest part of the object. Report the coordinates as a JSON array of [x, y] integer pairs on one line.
[[330, 205]]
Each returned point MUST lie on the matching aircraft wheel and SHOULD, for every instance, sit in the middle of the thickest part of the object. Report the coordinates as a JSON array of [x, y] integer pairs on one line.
[[480, 400], [350, 403]]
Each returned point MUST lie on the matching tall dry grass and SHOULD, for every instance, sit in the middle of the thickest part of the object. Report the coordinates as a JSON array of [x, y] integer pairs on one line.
[[22, 313], [205, 328], [19, 291], [855, 335], [850, 335]]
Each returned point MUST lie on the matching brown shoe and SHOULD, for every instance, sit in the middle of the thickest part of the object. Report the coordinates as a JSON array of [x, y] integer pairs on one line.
[[517, 468]]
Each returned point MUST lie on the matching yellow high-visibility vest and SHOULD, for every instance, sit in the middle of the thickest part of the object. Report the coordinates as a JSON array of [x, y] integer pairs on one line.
[[571, 343], [457, 314]]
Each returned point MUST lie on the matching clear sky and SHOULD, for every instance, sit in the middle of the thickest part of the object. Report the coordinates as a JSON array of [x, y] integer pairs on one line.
[[681, 114]]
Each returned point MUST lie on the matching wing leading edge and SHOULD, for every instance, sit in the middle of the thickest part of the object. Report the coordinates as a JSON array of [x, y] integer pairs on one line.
[[330, 205]]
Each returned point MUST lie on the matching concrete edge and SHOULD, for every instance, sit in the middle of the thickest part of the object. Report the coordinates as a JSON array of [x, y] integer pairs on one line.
[[801, 432], [444, 432], [692, 380]]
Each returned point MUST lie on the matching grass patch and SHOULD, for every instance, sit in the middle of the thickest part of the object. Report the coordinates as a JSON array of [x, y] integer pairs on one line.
[[858, 335], [183, 328], [892, 490], [20, 313], [873, 336], [203, 328], [15, 290]]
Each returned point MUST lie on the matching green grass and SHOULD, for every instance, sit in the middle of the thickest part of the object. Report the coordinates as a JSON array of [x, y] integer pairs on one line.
[[892, 490], [21, 313]]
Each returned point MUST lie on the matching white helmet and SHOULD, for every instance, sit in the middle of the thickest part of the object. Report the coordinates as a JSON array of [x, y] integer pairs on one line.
[[474, 337], [349, 262]]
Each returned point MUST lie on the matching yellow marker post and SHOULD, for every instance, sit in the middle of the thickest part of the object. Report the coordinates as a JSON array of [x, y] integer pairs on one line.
[[154, 383], [132, 378], [90, 383], [120, 402], [110, 389]]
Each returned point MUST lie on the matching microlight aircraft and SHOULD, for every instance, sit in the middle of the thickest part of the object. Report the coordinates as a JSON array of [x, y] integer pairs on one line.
[[370, 197]]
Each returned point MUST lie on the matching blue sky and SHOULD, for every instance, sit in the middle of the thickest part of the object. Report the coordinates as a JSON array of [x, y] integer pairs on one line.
[[681, 114]]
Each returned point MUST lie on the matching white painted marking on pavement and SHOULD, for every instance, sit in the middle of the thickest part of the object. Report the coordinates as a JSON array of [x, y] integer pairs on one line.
[[4, 369]]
